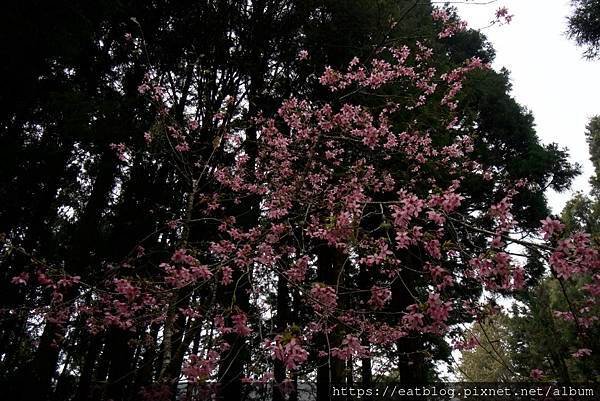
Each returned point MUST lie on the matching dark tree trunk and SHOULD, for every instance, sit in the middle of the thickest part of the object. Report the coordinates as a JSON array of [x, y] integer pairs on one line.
[[120, 373], [87, 370], [146, 369], [364, 283], [410, 357], [43, 367], [283, 312], [330, 370]]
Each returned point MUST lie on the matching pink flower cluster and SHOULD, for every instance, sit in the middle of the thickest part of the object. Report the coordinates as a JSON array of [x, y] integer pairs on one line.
[[185, 270], [503, 16], [451, 25], [289, 351], [350, 347], [240, 324], [324, 298], [551, 227], [379, 297], [198, 369]]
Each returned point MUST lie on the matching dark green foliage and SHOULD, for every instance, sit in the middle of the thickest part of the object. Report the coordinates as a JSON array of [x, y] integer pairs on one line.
[[507, 140], [584, 26], [593, 139]]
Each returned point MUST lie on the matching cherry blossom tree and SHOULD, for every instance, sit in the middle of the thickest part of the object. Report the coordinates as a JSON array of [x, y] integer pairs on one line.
[[330, 228]]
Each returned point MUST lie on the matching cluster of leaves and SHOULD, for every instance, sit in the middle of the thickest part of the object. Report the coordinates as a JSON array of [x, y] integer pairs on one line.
[[584, 26]]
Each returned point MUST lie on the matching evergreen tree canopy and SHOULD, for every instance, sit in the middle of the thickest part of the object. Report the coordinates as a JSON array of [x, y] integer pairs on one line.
[[584, 26]]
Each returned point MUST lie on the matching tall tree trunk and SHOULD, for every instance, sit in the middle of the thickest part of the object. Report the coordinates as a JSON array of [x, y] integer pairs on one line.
[[43, 367], [283, 312], [234, 360], [87, 370], [410, 360], [120, 374], [364, 283], [38, 241], [145, 371], [410, 357], [330, 370]]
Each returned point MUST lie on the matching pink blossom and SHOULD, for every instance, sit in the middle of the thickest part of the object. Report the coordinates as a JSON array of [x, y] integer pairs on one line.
[[566, 316], [44, 280], [143, 88], [536, 374], [551, 226], [433, 248], [172, 224], [439, 14], [465, 345], [582, 352], [383, 253], [227, 275], [383, 334], [240, 326], [325, 298], [350, 346], [329, 78], [68, 281], [403, 240], [437, 309], [182, 147], [290, 352], [436, 217], [502, 15], [197, 369], [124, 287], [21, 279], [298, 270], [379, 297], [413, 320], [303, 55], [181, 256], [200, 272]]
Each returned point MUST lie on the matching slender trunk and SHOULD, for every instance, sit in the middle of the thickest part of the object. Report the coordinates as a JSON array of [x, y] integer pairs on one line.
[[87, 371], [364, 283], [65, 384], [234, 360], [195, 347], [43, 367], [410, 355], [350, 371], [85, 239], [192, 331], [283, 312], [97, 390], [145, 371], [411, 364], [175, 323], [120, 372], [365, 366], [330, 370], [38, 240]]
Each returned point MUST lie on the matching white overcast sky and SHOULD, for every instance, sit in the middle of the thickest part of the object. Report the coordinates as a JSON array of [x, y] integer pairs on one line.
[[548, 73]]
